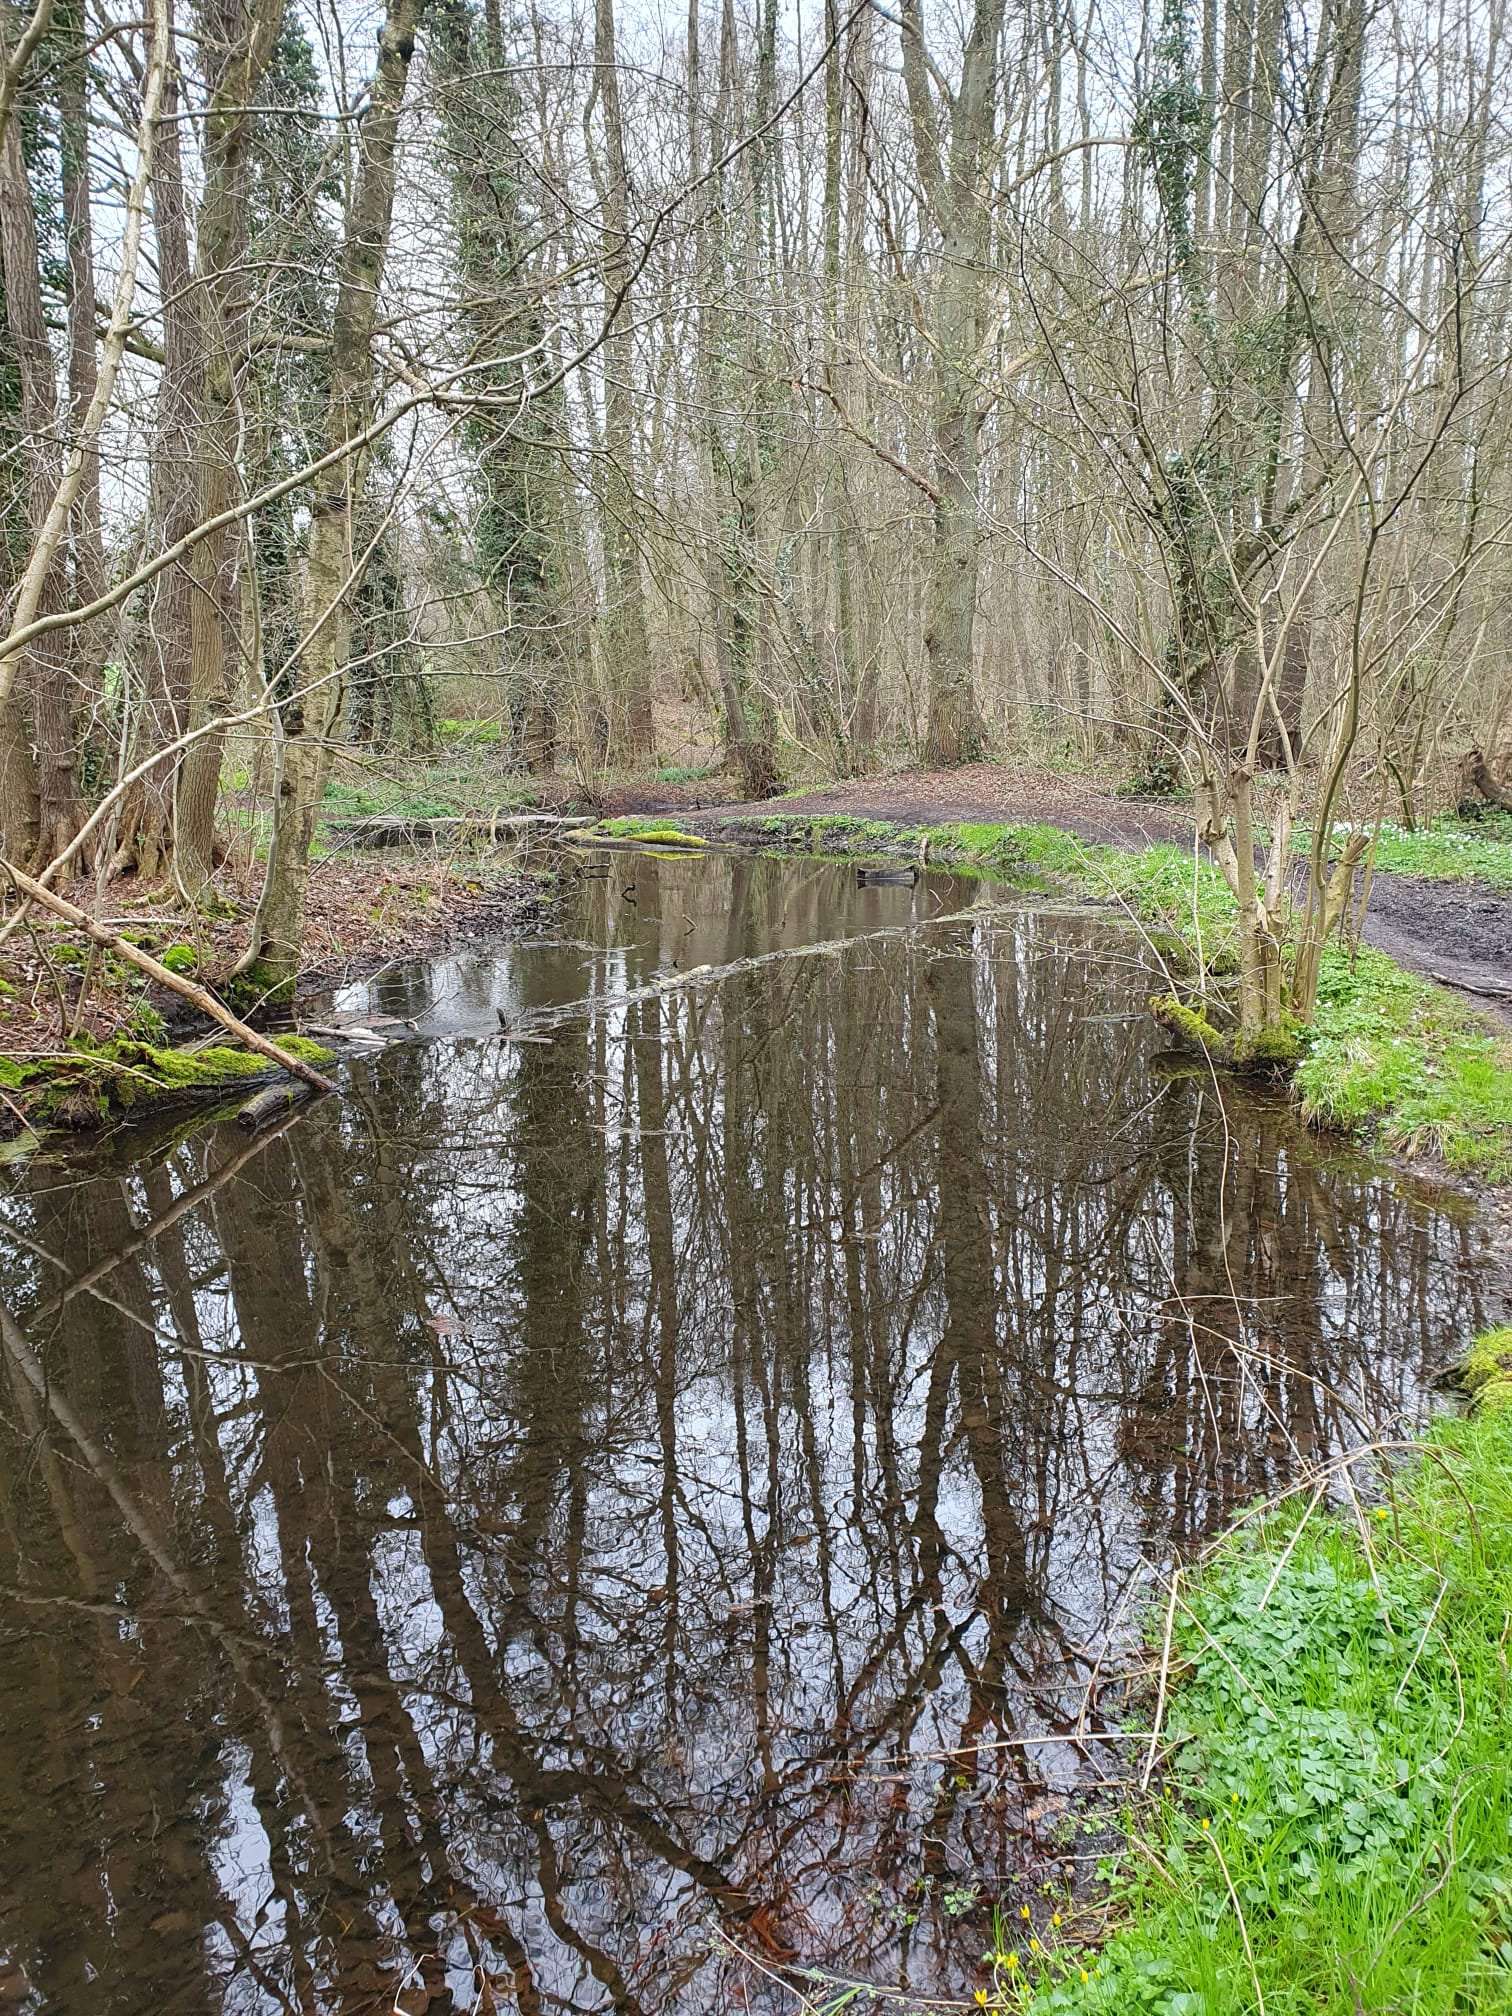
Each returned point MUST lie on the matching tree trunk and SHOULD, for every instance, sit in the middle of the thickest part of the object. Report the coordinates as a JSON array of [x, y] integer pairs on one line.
[[162, 713], [955, 192], [1482, 778], [83, 370], [954, 732], [309, 714], [626, 646], [245, 45], [44, 680]]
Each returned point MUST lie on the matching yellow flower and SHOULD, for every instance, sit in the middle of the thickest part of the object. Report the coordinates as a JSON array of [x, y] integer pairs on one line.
[[1233, 1798], [1085, 1975], [1055, 1918], [1013, 1959], [1204, 1822], [1382, 1513], [1034, 1945], [1023, 1910], [981, 1996]]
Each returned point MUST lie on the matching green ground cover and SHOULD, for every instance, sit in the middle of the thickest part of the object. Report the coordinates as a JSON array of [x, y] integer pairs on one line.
[[1335, 1830], [448, 784], [1454, 850], [1393, 1054]]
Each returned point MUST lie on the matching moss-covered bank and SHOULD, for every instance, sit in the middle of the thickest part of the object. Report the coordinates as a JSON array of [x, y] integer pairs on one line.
[[1335, 1827], [89, 1085], [1388, 1056]]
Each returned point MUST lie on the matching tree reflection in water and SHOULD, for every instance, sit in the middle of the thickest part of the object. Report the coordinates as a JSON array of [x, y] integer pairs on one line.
[[523, 1518]]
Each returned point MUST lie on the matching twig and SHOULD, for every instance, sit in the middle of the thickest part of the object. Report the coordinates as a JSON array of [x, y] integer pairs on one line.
[[1249, 1951], [1401, 1685], [1286, 1553], [1165, 1671]]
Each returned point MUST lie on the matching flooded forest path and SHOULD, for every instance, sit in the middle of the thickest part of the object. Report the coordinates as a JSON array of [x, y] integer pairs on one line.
[[1459, 933], [653, 1489]]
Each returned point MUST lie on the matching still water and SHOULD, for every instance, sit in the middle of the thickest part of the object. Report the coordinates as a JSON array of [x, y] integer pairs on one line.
[[571, 1513]]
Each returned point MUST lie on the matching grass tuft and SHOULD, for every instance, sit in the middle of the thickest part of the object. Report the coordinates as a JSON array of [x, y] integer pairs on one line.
[[1452, 851]]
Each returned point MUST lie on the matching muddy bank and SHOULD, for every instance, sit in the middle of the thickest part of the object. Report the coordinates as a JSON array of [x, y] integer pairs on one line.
[[1459, 932], [989, 792]]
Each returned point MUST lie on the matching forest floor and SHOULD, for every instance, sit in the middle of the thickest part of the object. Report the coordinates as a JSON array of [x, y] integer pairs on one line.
[[363, 912]]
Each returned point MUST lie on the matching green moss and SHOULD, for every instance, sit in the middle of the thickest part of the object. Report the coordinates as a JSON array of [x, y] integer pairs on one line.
[[1188, 1025], [1487, 1372], [11, 1073], [180, 958], [654, 832], [89, 1085], [188, 1068], [307, 1050], [1275, 1049], [257, 987]]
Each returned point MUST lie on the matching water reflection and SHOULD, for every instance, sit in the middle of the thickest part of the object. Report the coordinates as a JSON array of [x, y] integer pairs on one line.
[[567, 1501]]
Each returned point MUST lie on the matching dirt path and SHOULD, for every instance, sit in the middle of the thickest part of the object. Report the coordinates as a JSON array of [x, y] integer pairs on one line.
[[1460, 932]]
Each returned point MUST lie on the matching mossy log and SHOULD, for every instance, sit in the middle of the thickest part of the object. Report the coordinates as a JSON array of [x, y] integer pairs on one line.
[[1273, 1051], [87, 1086], [271, 1103], [286, 1059]]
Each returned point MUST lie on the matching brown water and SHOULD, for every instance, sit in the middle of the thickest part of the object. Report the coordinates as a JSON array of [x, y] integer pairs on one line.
[[566, 1510]]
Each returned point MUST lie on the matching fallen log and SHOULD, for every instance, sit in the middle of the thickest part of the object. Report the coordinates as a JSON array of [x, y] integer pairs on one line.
[[271, 1104], [144, 962], [378, 830]]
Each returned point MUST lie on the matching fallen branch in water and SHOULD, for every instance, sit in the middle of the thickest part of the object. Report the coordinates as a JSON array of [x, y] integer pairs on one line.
[[399, 830]]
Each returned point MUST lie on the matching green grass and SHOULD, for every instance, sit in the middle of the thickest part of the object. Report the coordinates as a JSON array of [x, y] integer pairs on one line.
[[475, 733], [1395, 1055], [683, 773], [1477, 850], [1335, 1830], [452, 785]]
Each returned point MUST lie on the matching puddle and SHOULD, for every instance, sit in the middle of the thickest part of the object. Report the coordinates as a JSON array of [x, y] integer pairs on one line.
[[569, 1509]]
